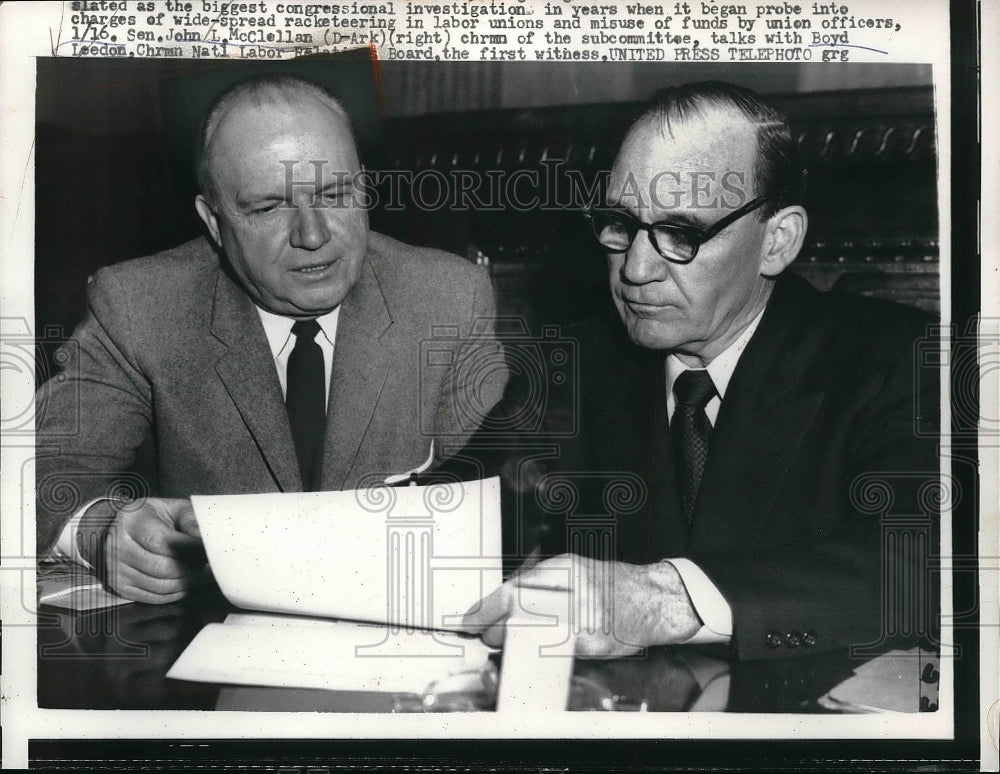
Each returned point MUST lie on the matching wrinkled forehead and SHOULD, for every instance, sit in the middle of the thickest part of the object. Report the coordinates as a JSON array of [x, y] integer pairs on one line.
[[293, 127], [716, 145]]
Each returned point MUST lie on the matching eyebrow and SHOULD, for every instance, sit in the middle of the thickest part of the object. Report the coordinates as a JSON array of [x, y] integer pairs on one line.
[[244, 197], [684, 219], [337, 186], [251, 199], [674, 219]]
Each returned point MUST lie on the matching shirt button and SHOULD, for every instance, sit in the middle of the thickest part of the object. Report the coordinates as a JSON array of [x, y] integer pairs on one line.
[[793, 639], [773, 639], [809, 638]]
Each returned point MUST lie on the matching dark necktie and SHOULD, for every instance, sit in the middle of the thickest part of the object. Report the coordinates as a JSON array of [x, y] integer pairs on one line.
[[691, 432], [304, 398]]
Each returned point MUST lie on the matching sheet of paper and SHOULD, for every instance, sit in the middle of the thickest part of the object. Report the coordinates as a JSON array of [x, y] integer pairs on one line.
[[69, 585], [416, 556], [888, 683], [291, 652]]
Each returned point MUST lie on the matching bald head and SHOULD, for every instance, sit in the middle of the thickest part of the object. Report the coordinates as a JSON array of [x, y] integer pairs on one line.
[[285, 94], [735, 114], [280, 195]]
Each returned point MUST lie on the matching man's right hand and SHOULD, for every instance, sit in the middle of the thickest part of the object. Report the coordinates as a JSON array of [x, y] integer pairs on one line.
[[154, 552]]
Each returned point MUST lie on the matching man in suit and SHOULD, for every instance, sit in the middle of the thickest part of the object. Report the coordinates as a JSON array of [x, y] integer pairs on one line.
[[738, 431], [285, 356]]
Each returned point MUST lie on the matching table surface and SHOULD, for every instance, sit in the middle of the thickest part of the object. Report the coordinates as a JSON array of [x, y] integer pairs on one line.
[[117, 658]]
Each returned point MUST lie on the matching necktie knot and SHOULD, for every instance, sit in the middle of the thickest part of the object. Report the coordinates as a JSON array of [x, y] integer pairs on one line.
[[694, 388], [305, 330]]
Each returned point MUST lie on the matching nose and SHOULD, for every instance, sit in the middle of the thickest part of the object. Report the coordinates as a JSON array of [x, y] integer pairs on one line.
[[309, 230], [642, 263]]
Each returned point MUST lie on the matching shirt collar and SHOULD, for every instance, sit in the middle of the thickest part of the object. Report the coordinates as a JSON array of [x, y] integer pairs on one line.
[[278, 328], [722, 367]]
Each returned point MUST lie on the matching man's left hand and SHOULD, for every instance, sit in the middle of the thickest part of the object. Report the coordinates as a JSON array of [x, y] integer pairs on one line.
[[616, 608]]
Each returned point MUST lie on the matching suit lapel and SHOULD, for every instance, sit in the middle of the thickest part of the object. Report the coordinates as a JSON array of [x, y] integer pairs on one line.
[[768, 409], [363, 353], [635, 437], [251, 380], [626, 405]]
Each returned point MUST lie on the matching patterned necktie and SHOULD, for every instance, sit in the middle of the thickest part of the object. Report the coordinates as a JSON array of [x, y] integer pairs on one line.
[[691, 432], [304, 398]]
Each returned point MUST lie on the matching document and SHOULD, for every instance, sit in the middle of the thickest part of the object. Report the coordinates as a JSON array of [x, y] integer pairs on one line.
[[294, 652], [66, 584], [415, 556], [889, 683], [396, 566]]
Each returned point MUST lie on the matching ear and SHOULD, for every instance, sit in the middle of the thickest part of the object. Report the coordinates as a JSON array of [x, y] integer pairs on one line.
[[208, 217], [786, 231]]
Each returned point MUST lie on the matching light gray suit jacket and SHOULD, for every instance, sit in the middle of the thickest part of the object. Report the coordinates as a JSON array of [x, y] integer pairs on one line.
[[171, 364]]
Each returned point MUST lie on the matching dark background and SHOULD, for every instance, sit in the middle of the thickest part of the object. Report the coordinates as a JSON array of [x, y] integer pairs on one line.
[[113, 178]]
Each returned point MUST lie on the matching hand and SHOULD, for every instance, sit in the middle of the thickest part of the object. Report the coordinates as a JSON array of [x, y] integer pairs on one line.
[[154, 552], [616, 608]]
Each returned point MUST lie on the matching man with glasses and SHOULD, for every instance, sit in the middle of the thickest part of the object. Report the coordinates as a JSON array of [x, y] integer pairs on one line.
[[731, 438]]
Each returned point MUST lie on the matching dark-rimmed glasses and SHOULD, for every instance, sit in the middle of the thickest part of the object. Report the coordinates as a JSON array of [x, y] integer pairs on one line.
[[616, 229]]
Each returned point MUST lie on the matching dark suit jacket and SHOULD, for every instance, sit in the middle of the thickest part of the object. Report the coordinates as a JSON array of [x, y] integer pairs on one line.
[[827, 436], [172, 358]]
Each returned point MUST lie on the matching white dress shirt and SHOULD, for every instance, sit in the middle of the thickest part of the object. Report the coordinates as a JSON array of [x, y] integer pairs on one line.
[[707, 600], [278, 330], [281, 342]]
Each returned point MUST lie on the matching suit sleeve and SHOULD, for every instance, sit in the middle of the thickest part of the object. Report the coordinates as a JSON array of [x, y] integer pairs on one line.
[[866, 583], [92, 417], [478, 374]]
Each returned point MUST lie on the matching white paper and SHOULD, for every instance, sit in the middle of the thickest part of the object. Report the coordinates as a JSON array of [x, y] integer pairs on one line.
[[888, 683], [537, 653], [412, 556], [291, 652]]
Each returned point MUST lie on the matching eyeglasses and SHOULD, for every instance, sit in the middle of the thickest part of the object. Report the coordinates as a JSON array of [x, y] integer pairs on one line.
[[616, 229]]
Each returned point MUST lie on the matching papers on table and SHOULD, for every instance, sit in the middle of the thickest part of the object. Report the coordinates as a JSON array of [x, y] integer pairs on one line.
[[416, 556], [887, 683], [71, 586], [408, 560], [288, 651]]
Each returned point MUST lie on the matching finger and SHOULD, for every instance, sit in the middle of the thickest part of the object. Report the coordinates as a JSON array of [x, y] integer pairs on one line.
[[137, 594], [121, 578], [188, 523], [150, 532], [599, 646], [495, 634], [156, 584], [130, 577], [132, 555], [487, 610], [127, 583], [155, 537]]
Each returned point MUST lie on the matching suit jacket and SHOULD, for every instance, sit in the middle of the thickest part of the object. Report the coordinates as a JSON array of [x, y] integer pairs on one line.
[[823, 450], [171, 362]]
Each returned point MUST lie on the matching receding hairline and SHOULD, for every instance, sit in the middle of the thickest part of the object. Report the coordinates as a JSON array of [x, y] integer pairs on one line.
[[272, 95], [706, 116], [776, 168], [289, 91]]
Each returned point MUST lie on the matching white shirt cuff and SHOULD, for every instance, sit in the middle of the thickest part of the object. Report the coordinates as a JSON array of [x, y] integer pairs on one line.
[[66, 545], [715, 613]]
